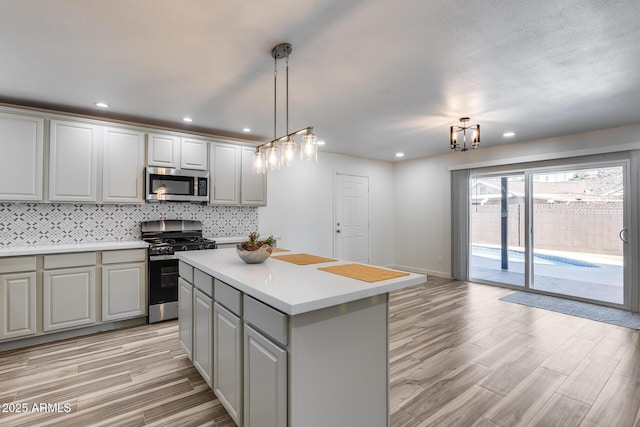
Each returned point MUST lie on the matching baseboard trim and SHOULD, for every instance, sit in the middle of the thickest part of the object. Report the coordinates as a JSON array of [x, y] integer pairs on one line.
[[72, 333], [441, 274]]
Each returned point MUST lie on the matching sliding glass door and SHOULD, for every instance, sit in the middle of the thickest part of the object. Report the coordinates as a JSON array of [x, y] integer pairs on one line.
[[497, 229], [578, 232], [575, 217]]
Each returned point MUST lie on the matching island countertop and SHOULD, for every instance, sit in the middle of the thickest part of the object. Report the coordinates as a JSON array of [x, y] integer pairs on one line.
[[290, 288]]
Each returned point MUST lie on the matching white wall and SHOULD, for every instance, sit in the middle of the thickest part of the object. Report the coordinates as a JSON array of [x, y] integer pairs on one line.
[[300, 205], [422, 190]]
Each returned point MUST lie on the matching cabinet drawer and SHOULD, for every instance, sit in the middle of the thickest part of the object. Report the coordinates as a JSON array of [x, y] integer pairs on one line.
[[267, 319], [229, 297], [185, 271], [16, 264], [79, 259], [203, 281], [127, 255]]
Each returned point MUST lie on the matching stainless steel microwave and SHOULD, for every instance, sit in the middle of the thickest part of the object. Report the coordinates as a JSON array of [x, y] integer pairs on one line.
[[176, 185]]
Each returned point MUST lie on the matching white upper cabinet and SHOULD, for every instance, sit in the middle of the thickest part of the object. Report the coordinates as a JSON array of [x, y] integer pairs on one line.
[[168, 151], [193, 154], [21, 161], [163, 151], [254, 185], [73, 161], [225, 174], [123, 166]]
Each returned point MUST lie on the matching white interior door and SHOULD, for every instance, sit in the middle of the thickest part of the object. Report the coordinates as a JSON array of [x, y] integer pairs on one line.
[[352, 218]]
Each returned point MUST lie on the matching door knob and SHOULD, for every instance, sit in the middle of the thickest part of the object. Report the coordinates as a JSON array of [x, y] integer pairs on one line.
[[337, 231]]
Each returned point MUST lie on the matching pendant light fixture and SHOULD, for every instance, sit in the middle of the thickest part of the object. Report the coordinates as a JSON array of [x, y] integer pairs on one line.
[[283, 150], [475, 137]]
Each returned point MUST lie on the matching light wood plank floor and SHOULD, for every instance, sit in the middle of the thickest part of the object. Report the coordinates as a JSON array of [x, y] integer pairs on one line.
[[458, 357]]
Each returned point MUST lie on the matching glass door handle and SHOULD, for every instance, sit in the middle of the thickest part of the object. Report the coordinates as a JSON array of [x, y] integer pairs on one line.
[[623, 235]]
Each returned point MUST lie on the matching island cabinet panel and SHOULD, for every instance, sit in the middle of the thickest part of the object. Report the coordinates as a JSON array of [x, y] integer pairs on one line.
[[17, 304], [338, 359], [185, 315], [202, 350], [21, 142], [265, 382], [227, 361]]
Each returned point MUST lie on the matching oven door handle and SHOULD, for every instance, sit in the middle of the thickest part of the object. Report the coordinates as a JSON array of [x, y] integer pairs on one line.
[[162, 257]]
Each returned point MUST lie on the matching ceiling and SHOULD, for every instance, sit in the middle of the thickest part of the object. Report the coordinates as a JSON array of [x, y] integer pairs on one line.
[[373, 77]]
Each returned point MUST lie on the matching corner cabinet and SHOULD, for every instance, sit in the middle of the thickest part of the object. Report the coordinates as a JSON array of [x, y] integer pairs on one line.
[[73, 161], [122, 166], [21, 164], [253, 190]]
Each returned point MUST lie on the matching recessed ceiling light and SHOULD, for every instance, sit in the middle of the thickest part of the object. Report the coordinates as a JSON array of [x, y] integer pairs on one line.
[[399, 154], [509, 134], [320, 142], [246, 129], [102, 104], [187, 119]]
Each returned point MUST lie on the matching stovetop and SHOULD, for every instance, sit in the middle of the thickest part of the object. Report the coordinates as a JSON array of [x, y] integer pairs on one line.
[[168, 236]]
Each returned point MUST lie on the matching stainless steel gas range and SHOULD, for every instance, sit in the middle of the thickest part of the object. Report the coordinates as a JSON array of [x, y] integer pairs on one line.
[[165, 237]]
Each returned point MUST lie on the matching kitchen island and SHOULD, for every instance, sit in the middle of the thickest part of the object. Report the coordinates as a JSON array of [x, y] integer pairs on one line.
[[283, 344]]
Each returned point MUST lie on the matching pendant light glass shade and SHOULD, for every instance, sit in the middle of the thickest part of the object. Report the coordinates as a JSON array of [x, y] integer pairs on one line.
[[289, 150], [309, 150], [259, 162], [273, 158]]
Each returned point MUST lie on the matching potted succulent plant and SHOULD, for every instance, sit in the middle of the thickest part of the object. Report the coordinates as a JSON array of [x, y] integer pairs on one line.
[[254, 251]]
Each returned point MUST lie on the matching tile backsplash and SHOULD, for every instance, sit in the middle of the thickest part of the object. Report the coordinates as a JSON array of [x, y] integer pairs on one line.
[[35, 223]]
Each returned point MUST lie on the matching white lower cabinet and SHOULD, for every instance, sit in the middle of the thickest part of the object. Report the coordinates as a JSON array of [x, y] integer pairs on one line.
[[17, 304], [185, 315], [69, 298], [202, 350], [265, 381], [124, 291], [227, 360]]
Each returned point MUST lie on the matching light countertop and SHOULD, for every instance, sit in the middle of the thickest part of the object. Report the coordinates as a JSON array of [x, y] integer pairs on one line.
[[290, 288], [71, 247]]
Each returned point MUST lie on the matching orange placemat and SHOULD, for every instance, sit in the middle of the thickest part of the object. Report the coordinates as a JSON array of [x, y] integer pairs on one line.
[[279, 250], [362, 272], [303, 259]]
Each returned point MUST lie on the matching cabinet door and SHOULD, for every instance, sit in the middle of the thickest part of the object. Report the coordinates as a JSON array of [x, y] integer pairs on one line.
[[225, 174], [163, 151], [17, 305], [185, 315], [193, 154], [21, 145], [73, 161], [69, 298], [202, 340], [254, 185], [122, 166], [265, 381], [124, 291], [227, 361]]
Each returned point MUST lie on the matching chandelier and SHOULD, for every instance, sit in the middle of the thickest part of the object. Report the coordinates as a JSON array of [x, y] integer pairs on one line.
[[283, 150], [455, 130]]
